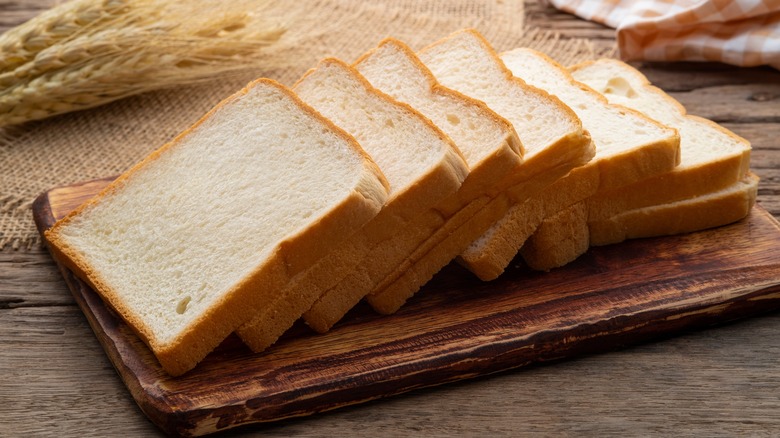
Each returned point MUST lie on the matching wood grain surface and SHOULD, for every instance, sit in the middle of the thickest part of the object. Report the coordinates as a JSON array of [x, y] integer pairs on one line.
[[56, 380]]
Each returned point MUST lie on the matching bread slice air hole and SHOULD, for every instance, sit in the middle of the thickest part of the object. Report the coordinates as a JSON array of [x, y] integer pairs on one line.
[[453, 119], [183, 304], [620, 87]]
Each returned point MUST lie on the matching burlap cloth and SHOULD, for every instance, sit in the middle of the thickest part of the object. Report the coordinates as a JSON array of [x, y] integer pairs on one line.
[[107, 140]]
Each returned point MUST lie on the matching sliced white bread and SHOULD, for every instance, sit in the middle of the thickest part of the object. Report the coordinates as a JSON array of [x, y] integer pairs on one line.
[[488, 142], [490, 264], [420, 162], [712, 157], [552, 135], [567, 235], [194, 240], [711, 210], [629, 147]]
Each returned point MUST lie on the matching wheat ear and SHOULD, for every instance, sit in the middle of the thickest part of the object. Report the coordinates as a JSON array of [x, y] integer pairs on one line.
[[95, 52], [20, 44]]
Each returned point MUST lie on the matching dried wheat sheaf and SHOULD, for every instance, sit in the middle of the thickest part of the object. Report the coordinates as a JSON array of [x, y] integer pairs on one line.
[[85, 53]]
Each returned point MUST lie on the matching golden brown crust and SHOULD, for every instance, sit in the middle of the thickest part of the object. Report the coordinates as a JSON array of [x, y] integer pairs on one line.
[[450, 241], [501, 248], [707, 211], [544, 252], [638, 163], [456, 163], [560, 187], [491, 258], [372, 168], [666, 188], [558, 240], [488, 265], [618, 215], [81, 268], [390, 296], [482, 175], [671, 186]]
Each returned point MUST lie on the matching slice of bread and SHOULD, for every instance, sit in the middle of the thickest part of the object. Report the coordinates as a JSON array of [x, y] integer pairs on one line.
[[488, 142], [710, 210], [194, 240], [565, 236], [629, 147], [420, 162], [551, 133], [712, 160], [490, 265], [712, 157]]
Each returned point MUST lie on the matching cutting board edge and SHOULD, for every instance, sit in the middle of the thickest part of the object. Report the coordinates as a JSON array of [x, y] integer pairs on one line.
[[159, 409]]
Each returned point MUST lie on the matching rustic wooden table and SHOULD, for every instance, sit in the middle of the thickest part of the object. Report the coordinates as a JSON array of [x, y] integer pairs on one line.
[[725, 381]]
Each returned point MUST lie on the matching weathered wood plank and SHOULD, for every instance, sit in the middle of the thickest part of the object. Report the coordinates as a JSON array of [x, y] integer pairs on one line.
[[687, 76], [762, 136], [748, 103], [764, 160], [29, 279], [55, 377], [688, 395], [699, 388], [540, 14]]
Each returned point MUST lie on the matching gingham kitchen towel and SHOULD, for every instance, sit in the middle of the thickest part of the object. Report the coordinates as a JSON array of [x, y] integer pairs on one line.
[[738, 32]]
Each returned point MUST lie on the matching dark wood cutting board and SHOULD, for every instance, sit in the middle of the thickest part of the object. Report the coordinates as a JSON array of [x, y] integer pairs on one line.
[[457, 327]]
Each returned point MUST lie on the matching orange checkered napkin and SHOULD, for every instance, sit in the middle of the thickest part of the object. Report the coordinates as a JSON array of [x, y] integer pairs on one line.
[[738, 32]]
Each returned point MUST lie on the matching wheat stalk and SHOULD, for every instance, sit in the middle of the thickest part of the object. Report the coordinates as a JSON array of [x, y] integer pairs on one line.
[[93, 52]]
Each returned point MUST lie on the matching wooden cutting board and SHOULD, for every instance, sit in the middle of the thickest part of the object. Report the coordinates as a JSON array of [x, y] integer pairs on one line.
[[456, 328]]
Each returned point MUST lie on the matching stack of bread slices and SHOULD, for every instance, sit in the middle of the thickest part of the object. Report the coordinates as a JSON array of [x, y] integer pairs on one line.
[[364, 180]]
